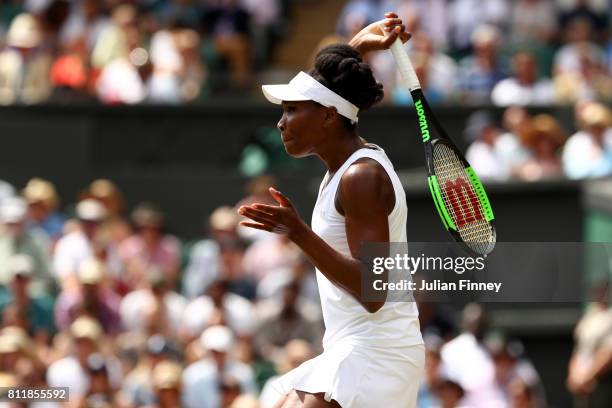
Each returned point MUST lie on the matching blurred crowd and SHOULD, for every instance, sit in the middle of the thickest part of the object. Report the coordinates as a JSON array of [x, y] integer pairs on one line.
[[132, 51], [531, 147], [125, 314], [521, 52]]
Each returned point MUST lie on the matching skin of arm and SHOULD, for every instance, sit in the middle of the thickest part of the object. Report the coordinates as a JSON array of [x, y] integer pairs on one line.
[[365, 197]]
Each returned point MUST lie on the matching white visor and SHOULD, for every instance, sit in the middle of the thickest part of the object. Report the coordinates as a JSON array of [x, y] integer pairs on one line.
[[303, 87]]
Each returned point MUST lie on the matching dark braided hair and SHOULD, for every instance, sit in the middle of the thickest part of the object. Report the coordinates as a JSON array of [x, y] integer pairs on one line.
[[340, 68]]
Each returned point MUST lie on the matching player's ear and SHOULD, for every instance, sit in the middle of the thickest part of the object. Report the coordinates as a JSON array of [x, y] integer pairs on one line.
[[330, 115]]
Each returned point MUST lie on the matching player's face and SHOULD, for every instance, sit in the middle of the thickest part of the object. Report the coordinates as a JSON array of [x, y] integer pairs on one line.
[[301, 127]]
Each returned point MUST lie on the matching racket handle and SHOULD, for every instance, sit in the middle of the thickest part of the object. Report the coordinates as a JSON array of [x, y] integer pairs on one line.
[[404, 65]]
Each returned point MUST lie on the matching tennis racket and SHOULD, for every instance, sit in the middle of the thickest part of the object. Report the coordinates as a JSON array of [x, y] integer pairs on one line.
[[458, 194]]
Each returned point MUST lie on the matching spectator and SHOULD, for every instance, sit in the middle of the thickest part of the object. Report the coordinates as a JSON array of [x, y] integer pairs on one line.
[[524, 87], [137, 307], [16, 239], [589, 375], [167, 384], [91, 298], [43, 202], [24, 64], [203, 381], [203, 266], [465, 360], [436, 71], [227, 23], [117, 56], [149, 247], [481, 128], [478, 74], [271, 287], [467, 16], [508, 147], [427, 397], [596, 12], [6, 191], [533, 21], [100, 392], [138, 386], [86, 21], [18, 356], [588, 153], [73, 370], [578, 43], [513, 368], [164, 84], [35, 311], [80, 244], [285, 324], [219, 306], [544, 137], [294, 354]]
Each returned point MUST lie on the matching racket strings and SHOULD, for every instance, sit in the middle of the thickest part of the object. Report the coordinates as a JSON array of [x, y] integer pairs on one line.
[[464, 209]]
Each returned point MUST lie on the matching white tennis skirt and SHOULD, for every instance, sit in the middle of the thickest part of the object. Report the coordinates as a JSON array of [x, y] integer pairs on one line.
[[358, 376]]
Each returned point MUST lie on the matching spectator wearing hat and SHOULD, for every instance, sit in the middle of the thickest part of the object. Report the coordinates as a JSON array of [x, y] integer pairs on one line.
[[73, 371], [150, 247], [91, 298], [167, 385], [218, 306], [36, 310], [24, 65], [523, 87], [43, 202], [203, 380], [137, 388], [203, 266], [544, 138], [18, 355], [588, 153], [15, 238], [155, 308], [79, 245], [482, 130], [295, 352], [478, 74]]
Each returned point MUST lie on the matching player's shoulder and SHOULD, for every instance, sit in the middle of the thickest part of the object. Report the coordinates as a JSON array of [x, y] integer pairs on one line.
[[364, 174]]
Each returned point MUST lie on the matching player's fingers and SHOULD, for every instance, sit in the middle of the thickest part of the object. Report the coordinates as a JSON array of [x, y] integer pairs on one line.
[[270, 209], [256, 226], [390, 14], [259, 216], [405, 36], [280, 198], [390, 38], [390, 22]]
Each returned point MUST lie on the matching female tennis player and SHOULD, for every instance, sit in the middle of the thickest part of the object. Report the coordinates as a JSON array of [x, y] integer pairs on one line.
[[373, 351]]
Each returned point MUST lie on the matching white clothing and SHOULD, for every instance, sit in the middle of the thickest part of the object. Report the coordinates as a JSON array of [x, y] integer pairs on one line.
[[582, 157], [485, 161], [369, 359], [468, 363], [71, 250], [239, 313], [511, 92], [200, 388], [135, 305]]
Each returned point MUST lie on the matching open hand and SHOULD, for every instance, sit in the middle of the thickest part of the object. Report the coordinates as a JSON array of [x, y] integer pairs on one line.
[[281, 219], [372, 37]]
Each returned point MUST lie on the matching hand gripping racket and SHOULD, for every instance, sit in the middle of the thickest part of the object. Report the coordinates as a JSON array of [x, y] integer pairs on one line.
[[458, 194]]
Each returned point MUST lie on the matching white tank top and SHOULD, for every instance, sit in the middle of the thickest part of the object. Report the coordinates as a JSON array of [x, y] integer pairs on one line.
[[396, 324]]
